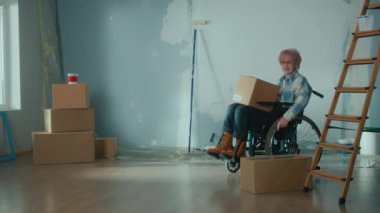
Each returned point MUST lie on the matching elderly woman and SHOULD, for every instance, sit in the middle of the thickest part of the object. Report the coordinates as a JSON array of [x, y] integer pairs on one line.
[[294, 89]]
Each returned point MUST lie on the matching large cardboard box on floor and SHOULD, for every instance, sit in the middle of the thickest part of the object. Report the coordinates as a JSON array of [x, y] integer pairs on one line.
[[264, 174], [250, 90], [105, 147], [69, 120], [70, 96], [58, 148]]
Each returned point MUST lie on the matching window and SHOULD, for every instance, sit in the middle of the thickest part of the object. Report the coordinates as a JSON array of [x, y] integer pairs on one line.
[[9, 56], [2, 83]]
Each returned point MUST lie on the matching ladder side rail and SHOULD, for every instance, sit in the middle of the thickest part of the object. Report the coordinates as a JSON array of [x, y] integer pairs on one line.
[[322, 139], [318, 153], [349, 171], [364, 9]]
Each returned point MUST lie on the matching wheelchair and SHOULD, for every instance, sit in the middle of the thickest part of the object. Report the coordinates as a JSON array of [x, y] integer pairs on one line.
[[300, 136]]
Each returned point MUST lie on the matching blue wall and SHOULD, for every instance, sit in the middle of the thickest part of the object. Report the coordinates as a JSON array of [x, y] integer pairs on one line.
[[136, 57]]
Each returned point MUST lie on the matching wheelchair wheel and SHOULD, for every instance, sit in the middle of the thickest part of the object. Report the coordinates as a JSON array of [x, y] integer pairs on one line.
[[233, 165], [301, 136]]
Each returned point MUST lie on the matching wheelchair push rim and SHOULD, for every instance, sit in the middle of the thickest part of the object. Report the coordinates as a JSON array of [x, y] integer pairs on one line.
[[301, 136]]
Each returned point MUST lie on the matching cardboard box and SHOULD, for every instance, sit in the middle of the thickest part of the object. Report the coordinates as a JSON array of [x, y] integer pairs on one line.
[[105, 147], [58, 148], [69, 120], [70, 96], [274, 174], [250, 90]]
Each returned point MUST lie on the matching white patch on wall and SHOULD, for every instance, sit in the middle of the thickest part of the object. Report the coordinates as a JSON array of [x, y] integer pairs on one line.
[[184, 120], [176, 24]]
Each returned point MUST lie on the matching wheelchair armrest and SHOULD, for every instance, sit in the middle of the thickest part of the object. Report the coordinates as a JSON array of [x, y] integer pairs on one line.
[[267, 103], [276, 103], [317, 94]]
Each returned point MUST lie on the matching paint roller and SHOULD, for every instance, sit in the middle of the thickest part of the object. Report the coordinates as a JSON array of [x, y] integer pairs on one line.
[[195, 24]]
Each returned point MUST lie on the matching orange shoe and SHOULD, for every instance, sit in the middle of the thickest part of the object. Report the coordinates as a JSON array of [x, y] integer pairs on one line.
[[231, 153], [225, 145]]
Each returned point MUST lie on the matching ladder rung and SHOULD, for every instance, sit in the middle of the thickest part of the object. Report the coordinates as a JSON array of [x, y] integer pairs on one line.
[[369, 33], [348, 118], [352, 89], [336, 146], [360, 61], [374, 6], [342, 128], [327, 176]]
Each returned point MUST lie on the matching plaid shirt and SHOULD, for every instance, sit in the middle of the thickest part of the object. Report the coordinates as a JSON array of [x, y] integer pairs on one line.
[[294, 89]]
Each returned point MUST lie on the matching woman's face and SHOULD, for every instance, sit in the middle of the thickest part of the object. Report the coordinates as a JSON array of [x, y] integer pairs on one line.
[[287, 64]]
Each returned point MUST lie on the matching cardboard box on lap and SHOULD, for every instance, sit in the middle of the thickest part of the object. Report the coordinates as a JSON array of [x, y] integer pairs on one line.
[[70, 96], [68, 147], [250, 90], [266, 174], [69, 120]]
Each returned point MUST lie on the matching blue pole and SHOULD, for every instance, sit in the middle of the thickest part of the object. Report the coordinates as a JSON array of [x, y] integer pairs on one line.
[[192, 87], [9, 137]]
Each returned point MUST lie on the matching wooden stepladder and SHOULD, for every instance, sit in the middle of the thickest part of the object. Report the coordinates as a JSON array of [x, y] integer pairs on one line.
[[359, 120]]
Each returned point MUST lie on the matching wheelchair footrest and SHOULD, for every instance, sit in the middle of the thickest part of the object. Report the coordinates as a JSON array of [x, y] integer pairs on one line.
[[213, 155], [225, 157]]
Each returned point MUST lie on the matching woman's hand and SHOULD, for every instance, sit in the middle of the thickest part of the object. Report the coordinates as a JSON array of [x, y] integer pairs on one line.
[[283, 122]]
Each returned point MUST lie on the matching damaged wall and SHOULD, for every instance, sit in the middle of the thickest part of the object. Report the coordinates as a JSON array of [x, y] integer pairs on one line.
[[136, 57]]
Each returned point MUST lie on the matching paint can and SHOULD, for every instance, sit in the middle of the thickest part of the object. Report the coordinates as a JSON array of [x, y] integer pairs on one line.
[[365, 22], [346, 142], [72, 78], [370, 141]]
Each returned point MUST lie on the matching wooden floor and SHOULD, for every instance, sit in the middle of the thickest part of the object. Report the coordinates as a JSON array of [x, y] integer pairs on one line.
[[174, 183]]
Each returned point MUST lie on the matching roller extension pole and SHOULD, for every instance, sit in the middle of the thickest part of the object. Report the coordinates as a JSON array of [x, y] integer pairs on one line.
[[192, 87]]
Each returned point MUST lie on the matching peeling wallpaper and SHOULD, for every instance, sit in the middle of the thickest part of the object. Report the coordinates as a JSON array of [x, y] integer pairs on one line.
[[136, 57], [176, 23]]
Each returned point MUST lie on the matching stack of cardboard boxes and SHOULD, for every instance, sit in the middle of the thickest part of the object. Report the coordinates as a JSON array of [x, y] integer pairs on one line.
[[69, 128]]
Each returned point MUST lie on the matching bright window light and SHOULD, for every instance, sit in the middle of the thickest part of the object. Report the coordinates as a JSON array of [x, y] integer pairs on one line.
[[9, 56], [2, 83]]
